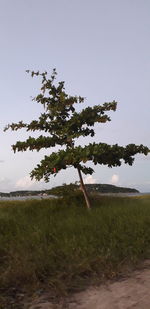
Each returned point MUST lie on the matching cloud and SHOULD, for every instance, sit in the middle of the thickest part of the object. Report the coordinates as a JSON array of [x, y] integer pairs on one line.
[[5, 184], [89, 179], [1, 161], [25, 183], [114, 179]]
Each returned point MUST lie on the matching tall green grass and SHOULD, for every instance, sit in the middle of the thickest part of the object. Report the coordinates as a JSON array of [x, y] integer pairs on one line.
[[61, 244]]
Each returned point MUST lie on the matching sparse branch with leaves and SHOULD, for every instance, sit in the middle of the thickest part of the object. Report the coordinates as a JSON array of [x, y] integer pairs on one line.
[[63, 125]]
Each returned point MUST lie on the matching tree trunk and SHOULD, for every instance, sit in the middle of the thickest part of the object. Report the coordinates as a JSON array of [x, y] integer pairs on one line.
[[83, 188]]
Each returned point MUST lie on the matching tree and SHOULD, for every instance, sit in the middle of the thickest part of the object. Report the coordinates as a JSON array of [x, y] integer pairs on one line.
[[62, 125]]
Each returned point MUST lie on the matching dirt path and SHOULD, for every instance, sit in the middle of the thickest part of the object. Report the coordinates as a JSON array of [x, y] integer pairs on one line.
[[131, 292]]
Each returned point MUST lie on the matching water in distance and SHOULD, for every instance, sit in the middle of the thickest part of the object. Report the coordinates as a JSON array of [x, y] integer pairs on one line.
[[41, 197], [27, 197]]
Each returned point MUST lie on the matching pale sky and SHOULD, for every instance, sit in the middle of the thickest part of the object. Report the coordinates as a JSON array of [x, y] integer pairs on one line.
[[101, 49]]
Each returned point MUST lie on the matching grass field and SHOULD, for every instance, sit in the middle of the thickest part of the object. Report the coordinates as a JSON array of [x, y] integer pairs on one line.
[[60, 244]]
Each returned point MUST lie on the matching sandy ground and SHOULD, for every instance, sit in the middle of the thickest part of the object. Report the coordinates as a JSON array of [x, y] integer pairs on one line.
[[131, 292]]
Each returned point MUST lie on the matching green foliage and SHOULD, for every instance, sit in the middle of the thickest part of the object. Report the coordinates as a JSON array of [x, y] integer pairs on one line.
[[97, 153], [62, 125]]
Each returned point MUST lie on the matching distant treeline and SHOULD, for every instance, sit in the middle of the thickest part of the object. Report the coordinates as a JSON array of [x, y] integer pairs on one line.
[[21, 193], [105, 188], [92, 188], [65, 189]]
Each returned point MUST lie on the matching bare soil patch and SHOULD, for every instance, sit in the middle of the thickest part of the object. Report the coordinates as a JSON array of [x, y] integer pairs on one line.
[[129, 292]]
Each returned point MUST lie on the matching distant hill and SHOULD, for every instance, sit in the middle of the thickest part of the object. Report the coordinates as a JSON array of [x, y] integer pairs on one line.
[[98, 188], [65, 189], [22, 193], [105, 188]]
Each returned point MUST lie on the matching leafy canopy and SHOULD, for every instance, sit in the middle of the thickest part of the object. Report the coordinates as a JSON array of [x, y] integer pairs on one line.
[[62, 125]]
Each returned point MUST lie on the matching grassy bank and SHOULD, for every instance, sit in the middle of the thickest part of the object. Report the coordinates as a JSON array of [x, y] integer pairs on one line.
[[58, 243]]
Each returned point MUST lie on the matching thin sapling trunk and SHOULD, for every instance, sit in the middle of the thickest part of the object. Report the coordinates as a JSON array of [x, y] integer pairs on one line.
[[83, 188]]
